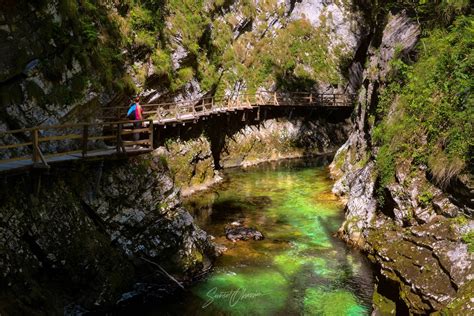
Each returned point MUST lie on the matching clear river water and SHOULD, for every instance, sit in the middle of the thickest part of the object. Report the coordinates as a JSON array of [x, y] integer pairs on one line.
[[298, 269]]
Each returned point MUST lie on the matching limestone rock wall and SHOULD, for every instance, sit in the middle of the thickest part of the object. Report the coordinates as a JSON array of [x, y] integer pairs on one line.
[[84, 233], [415, 234]]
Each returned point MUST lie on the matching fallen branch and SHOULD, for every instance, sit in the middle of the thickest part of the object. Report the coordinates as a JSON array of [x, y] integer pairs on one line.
[[164, 271]]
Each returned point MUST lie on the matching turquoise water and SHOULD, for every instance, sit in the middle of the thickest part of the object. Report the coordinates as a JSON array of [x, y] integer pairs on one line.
[[299, 269]]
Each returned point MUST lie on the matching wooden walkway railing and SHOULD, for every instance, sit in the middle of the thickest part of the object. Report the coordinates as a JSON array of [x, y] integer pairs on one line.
[[162, 113], [44, 144]]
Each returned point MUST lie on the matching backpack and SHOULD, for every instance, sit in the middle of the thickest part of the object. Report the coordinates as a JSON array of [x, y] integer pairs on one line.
[[131, 113]]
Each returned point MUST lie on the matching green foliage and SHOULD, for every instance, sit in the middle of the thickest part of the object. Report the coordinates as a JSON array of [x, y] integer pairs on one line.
[[141, 19], [163, 162], [162, 62], [425, 198], [188, 22], [92, 35], [145, 39], [432, 106], [468, 238], [184, 75], [386, 171], [68, 8], [430, 13]]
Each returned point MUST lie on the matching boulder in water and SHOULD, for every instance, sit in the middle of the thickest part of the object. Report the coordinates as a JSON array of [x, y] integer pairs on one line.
[[236, 232]]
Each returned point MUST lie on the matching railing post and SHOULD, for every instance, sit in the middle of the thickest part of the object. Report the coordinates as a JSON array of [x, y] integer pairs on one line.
[[151, 131], [158, 112], [119, 146], [311, 98], [34, 140], [85, 139], [334, 100]]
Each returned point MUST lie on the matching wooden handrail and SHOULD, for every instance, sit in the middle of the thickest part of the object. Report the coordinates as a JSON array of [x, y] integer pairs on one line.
[[226, 99], [165, 113], [82, 135]]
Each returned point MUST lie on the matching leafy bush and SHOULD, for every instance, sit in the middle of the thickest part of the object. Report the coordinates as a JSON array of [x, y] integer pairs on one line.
[[468, 238], [432, 117], [425, 198]]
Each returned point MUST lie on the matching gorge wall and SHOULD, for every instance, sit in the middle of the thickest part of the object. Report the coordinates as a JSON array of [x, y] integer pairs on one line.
[[85, 233], [63, 61], [415, 225]]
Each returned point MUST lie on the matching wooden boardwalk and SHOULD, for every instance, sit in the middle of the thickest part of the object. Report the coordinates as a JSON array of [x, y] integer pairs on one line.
[[20, 165], [42, 146], [47, 145], [176, 112]]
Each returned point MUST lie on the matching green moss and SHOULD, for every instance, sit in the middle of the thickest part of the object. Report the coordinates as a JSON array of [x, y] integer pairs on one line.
[[462, 304], [460, 220], [164, 162]]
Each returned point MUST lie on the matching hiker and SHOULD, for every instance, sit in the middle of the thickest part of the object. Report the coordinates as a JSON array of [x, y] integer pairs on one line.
[[135, 112]]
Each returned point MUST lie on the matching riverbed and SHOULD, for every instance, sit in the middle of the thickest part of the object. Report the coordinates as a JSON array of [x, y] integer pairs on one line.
[[299, 268]]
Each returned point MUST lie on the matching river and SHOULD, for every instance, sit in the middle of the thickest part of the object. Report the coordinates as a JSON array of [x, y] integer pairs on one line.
[[298, 269]]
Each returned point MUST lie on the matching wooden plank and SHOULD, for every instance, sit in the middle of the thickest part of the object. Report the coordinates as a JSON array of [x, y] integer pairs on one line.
[[137, 142], [119, 145], [9, 160], [15, 145], [16, 164], [48, 156], [43, 164], [103, 137], [60, 137], [15, 131], [132, 131]]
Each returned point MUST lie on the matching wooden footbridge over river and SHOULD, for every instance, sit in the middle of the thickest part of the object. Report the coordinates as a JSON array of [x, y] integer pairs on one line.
[[112, 135]]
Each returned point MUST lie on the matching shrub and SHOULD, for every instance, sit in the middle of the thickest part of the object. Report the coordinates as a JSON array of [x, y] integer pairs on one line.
[[433, 112], [468, 238]]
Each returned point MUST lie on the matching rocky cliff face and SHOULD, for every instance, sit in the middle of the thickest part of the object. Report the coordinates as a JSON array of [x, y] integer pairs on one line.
[[84, 233], [416, 233], [193, 162], [65, 60]]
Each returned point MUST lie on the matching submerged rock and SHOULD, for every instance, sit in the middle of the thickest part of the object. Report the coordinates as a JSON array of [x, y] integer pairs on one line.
[[235, 232]]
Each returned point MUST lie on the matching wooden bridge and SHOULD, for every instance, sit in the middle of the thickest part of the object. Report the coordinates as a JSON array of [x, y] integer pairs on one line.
[[176, 112], [113, 135]]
